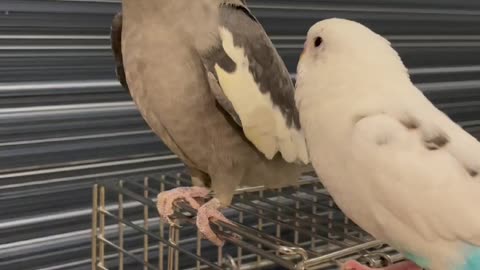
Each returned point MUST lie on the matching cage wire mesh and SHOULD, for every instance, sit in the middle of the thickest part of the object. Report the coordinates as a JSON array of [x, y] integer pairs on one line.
[[296, 227]]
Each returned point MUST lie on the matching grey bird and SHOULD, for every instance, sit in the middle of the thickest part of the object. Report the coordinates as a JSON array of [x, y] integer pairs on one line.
[[209, 82]]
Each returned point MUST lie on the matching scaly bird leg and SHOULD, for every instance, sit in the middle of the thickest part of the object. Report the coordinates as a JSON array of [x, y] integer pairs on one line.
[[204, 213], [166, 199], [405, 265]]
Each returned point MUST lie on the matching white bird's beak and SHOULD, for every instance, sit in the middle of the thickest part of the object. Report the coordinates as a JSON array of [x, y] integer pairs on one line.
[[304, 49], [301, 55]]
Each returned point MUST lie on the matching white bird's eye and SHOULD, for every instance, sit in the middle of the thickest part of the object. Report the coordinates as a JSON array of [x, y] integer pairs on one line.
[[318, 42]]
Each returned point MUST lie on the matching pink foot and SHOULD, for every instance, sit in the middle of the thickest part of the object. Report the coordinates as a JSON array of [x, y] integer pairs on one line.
[[204, 213], [405, 265], [166, 199]]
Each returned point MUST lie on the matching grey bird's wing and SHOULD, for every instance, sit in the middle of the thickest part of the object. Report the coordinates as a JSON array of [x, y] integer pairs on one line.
[[116, 42], [251, 82]]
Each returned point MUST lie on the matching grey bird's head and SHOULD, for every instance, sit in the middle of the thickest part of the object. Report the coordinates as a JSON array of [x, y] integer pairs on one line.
[[197, 20]]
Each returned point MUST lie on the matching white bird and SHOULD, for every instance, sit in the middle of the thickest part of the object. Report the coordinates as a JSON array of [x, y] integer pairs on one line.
[[395, 164]]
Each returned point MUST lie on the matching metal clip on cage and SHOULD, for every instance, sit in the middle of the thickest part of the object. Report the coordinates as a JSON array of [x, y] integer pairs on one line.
[[291, 228]]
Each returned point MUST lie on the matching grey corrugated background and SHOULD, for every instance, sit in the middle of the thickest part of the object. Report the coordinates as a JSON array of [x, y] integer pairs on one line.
[[65, 122]]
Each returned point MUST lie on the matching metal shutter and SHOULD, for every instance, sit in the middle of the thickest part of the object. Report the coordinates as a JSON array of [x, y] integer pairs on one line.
[[65, 121]]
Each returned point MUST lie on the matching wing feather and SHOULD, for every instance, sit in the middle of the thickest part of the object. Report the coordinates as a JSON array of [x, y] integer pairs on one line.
[[432, 188], [256, 88]]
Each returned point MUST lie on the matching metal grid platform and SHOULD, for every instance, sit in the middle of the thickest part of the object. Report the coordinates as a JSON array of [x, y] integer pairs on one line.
[[291, 228]]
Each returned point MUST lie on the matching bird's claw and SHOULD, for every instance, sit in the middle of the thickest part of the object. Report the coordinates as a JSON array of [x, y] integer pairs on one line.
[[204, 214], [166, 199]]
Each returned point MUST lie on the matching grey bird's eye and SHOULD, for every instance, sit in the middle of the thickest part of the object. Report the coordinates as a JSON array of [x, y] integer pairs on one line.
[[318, 42]]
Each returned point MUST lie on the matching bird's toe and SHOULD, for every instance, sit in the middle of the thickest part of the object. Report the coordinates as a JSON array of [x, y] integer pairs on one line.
[[204, 214], [354, 265], [166, 199]]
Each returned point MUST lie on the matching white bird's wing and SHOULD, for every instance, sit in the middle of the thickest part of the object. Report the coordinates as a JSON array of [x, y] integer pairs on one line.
[[251, 82], [423, 172]]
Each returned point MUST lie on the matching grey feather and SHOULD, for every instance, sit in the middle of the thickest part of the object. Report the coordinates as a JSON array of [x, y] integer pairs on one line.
[[472, 172], [266, 65], [433, 137], [436, 142], [222, 99]]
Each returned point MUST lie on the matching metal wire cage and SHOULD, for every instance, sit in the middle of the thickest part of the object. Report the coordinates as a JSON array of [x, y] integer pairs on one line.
[[291, 228]]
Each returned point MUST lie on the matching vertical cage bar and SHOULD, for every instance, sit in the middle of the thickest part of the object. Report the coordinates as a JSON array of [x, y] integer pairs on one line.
[[297, 216], [199, 249], [330, 218], [240, 220], [172, 252], [220, 256], [101, 244], [177, 252], [345, 229], [161, 246], [314, 220], [120, 227], [94, 225], [278, 228], [145, 223], [260, 224], [177, 229]]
